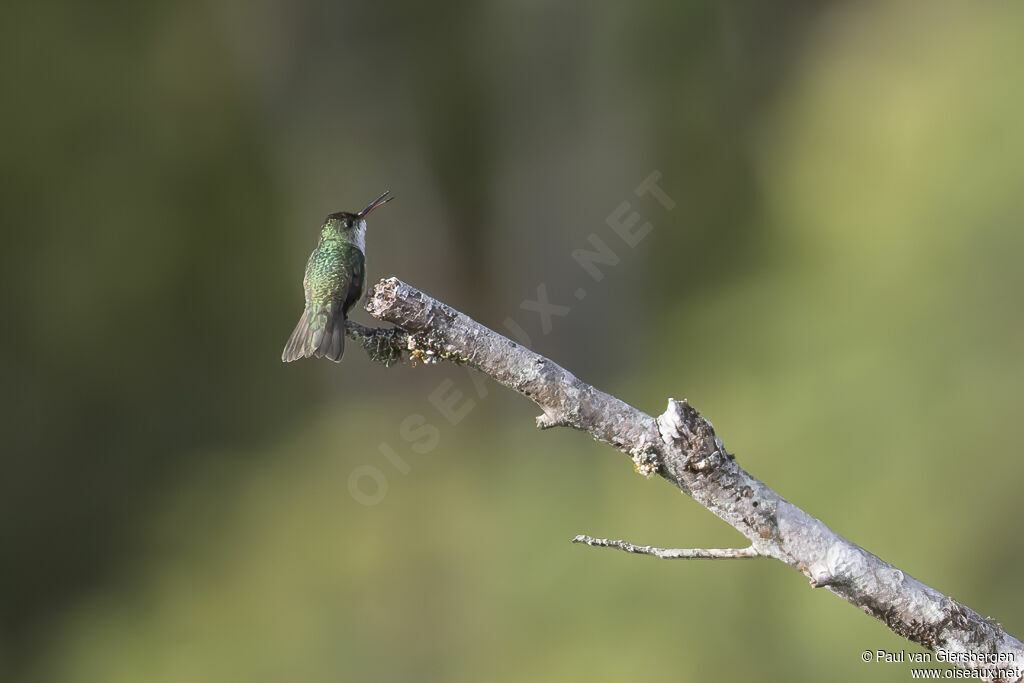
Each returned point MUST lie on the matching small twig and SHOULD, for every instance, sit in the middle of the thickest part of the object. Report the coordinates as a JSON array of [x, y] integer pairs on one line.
[[383, 344], [671, 553]]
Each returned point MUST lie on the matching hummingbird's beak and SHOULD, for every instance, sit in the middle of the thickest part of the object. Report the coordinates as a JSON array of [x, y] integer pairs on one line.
[[383, 199]]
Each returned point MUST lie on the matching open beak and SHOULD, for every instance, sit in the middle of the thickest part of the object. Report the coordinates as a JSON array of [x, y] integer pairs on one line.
[[383, 199]]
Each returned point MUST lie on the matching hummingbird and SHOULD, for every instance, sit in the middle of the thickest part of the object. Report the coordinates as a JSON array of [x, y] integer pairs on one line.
[[334, 280]]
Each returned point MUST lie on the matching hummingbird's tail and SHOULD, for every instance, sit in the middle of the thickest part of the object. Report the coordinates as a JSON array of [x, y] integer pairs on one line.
[[319, 334]]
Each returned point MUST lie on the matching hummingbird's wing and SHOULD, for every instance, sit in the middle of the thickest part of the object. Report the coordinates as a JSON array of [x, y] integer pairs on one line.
[[357, 262]]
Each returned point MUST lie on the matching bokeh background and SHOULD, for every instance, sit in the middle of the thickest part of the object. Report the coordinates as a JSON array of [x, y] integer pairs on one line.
[[838, 288]]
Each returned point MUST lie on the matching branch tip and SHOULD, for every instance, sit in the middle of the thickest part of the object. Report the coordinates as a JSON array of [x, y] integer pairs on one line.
[[382, 344]]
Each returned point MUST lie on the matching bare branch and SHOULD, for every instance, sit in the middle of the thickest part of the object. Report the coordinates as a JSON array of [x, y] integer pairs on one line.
[[681, 446], [671, 553]]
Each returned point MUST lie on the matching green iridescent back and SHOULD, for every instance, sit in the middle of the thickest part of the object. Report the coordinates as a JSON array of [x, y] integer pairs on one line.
[[334, 268]]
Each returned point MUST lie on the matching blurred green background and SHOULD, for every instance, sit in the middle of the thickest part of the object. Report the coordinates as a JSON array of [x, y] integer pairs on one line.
[[838, 288]]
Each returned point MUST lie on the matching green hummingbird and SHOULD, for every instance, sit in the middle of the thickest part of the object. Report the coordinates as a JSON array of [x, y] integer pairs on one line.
[[335, 276]]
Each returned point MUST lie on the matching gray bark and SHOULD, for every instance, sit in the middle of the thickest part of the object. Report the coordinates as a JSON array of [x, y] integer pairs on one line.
[[681, 446]]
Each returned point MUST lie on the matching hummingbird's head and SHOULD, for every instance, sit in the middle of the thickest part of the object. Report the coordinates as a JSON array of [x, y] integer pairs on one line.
[[352, 226]]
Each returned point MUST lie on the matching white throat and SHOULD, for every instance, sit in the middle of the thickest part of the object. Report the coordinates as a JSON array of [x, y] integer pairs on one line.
[[359, 236]]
